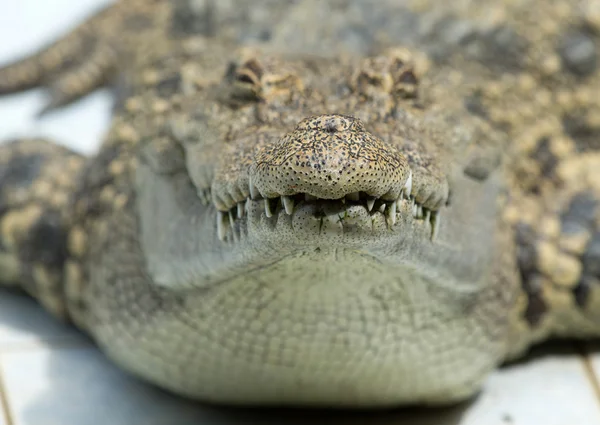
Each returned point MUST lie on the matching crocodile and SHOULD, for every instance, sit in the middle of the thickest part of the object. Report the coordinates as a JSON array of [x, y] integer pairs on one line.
[[317, 203]]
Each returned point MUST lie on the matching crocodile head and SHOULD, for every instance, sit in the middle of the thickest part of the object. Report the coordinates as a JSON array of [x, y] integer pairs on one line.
[[331, 210]]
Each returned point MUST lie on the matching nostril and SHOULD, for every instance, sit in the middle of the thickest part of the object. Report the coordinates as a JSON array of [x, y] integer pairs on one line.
[[331, 126]]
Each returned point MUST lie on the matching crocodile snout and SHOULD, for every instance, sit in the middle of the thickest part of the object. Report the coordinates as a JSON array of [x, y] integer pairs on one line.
[[329, 157]]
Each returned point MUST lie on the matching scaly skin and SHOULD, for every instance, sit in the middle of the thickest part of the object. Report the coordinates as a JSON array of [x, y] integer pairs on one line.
[[269, 228]]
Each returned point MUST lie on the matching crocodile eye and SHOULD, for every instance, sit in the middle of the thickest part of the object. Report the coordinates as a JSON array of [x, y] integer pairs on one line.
[[244, 79], [260, 79], [393, 73], [250, 72]]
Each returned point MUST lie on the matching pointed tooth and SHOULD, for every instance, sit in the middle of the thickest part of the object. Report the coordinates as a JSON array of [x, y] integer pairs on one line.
[[343, 200], [336, 220], [382, 207], [427, 213], [234, 234], [354, 196], [240, 209], [288, 204], [268, 211], [408, 184], [309, 198], [370, 204], [205, 196], [254, 193], [231, 217], [221, 225], [401, 196], [333, 218], [247, 205], [435, 224], [414, 210], [392, 212], [419, 211]]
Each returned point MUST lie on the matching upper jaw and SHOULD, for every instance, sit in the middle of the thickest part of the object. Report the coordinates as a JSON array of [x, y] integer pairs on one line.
[[330, 165]]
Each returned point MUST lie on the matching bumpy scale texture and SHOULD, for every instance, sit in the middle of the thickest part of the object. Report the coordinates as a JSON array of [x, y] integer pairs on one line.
[[342, 203], [329, 156]]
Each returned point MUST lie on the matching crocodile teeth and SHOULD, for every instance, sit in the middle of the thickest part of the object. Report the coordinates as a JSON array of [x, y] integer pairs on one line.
[[222, 225], [370, 204], [408, 184], [268, 211], [335, 219], [419, 211], [288, 204], [254, 193], [204, 195], [354, 196], [226, 220], [392, 212], [435, 224]]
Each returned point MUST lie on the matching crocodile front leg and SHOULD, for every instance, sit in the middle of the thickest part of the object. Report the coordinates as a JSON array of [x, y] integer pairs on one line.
[[37, 180]]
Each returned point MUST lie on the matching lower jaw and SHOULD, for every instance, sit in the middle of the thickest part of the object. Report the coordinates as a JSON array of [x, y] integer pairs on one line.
[[383, 382], [301, 333]]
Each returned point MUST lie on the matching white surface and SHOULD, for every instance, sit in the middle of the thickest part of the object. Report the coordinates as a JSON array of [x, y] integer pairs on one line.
[[66, 386], [2, 416], [552, 390], [53, 376], [24, 324]]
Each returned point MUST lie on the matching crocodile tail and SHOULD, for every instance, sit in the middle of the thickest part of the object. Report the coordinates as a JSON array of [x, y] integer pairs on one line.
[[37, 182], [71, 67]]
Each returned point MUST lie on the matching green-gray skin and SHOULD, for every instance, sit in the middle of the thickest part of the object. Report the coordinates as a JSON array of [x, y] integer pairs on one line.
[[295, 229]]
